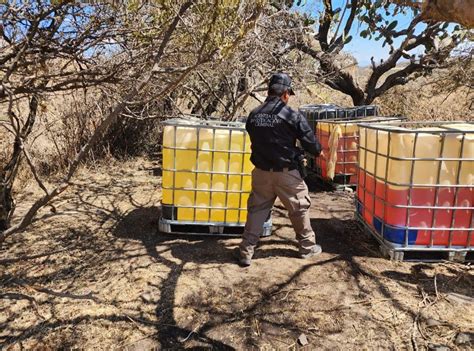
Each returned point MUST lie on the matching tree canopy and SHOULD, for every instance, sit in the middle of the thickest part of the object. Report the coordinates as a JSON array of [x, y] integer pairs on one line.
[[422, 47]]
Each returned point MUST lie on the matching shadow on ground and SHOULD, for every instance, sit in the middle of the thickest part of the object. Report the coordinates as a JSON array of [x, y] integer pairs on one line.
[[425, 276], [343, 237], [142, 224], [340, 238], [350, 257]]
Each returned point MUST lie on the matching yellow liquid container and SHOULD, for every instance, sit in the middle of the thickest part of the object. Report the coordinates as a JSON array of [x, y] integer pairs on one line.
[[416, 183], [206, 172]]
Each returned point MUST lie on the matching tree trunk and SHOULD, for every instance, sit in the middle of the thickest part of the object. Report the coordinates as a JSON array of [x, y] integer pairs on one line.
[[9, 171], [359, 100], [367, 100], [7, 178], [6, 205]]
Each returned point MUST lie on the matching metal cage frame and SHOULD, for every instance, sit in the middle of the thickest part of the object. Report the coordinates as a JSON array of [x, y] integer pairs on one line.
[[214, 125], [314, 113], [345, 163], [392, 128]]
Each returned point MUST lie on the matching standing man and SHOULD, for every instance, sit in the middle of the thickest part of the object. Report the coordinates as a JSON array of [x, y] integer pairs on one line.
[[274, 129]]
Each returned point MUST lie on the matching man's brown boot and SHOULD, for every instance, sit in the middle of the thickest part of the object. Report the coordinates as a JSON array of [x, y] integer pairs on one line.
[[242, 261], [316, 250]]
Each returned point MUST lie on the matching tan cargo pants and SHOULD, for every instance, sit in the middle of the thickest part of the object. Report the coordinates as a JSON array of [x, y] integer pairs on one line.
[[292, 192]]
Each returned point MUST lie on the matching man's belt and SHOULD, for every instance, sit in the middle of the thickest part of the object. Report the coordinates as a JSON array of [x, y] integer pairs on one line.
[[279, 169]]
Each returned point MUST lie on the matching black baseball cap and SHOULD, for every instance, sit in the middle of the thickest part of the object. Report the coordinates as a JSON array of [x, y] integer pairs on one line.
[[281, 80]]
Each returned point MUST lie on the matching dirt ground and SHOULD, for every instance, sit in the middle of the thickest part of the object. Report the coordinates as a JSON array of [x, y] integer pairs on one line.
[[94, 273]]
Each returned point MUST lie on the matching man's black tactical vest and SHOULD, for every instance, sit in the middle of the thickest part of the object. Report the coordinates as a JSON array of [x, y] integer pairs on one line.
[[274, 128]]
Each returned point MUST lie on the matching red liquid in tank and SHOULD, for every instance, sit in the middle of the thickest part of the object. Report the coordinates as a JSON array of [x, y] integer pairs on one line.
[[419, 217]]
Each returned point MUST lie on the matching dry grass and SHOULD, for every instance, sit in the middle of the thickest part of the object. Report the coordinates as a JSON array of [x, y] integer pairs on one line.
[[94, 273], [417, 102], [97, 275], [66, 120]]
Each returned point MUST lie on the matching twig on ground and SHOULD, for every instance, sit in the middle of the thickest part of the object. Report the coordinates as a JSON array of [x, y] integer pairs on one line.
[[41, 289], [426, 302], [189, 335], [257, 327], [414, 329], [290, 290], [361, 302], [133, 321]]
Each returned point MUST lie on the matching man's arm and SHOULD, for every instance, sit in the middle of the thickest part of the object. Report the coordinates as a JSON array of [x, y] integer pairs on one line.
[[247, 122], [306, 136]]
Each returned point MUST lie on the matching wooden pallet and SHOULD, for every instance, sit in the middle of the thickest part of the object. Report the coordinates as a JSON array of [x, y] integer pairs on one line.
[[175, 227]]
